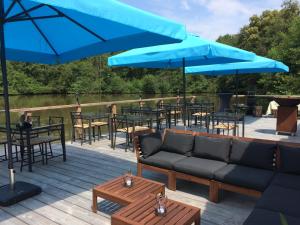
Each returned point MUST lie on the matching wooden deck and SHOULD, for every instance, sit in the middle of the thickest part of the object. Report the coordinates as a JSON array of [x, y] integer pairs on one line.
[[67, 196]]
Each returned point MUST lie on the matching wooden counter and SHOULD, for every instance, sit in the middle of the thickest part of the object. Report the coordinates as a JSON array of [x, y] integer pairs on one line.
[[287, 115]]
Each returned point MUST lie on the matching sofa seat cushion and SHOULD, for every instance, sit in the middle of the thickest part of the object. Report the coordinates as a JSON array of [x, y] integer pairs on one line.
[[212, 148], [178, 143], [287, 180], [290, 158], [246, 177], [267, 217], [203, 168], [150, 144], [280, 199], [253, 154], [163, 159]]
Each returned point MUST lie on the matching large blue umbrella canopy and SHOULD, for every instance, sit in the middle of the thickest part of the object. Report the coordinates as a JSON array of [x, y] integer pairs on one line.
[[59, 31], [190, 52], [194, 50], [258, 65]]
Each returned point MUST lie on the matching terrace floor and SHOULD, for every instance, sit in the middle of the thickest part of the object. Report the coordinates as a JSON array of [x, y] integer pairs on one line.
[[67, 197]]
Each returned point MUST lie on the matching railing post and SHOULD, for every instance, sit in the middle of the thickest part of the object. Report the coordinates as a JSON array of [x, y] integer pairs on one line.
[[63, 142], [113, 112]]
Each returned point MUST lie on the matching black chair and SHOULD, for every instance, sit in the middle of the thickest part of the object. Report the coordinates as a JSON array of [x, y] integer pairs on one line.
[[28, 138], [80, 126], [227, 122], [98, 122], [128, 127]]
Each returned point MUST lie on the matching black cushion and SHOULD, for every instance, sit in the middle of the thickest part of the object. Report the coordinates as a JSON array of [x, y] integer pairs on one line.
[[178, 143], [267, 217], [212, 148], [280, 199], [290, 159], [204, 168], [254, 154], [150, 144], [243, 176], [287, 180], [163, 159]]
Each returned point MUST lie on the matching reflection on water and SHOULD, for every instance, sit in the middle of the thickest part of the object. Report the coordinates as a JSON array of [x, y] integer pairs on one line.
[[50, 100]]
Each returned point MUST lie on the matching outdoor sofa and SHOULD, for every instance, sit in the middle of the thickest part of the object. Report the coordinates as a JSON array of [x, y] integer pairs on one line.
[[265, 169]]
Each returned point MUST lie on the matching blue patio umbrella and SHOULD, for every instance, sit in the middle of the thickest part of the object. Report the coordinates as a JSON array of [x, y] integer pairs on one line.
[[60, 31], [190, 52], [258, 65]]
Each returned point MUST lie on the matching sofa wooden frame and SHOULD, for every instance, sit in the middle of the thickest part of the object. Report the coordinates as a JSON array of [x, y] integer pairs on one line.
[[214, 186]]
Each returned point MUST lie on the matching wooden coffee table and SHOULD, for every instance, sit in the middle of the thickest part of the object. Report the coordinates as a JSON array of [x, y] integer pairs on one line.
[[115, 191], [142, 212]]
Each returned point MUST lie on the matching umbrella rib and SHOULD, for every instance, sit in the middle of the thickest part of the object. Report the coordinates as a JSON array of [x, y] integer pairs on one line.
[[32, 18], [77, 23], [38, 28], [23, 13], [9, 8]]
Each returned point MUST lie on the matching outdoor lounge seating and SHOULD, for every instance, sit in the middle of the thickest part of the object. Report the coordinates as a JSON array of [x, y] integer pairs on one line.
[[259, 168]]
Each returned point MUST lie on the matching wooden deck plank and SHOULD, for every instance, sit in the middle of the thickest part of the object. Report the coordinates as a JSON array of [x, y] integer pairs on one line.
[[9, 219], [27, 215]]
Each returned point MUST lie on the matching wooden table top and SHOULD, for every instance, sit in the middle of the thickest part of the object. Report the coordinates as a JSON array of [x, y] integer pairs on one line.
[[114, 190], [142, 212]]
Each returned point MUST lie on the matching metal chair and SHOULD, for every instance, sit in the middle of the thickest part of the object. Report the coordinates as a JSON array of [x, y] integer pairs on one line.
[[225, 123], [123, 125], [80, 126], [99, 122]]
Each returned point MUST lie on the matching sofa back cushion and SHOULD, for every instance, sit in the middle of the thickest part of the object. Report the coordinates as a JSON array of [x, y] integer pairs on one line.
[[178, 143], [289, 159], [150, 144], [253, 154], [212, 148]]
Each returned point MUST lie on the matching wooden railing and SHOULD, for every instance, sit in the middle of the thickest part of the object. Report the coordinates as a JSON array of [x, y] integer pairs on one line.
[[112, 104]]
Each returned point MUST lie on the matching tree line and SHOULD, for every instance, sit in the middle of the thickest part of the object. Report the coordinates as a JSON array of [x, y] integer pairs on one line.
[[274, 34]]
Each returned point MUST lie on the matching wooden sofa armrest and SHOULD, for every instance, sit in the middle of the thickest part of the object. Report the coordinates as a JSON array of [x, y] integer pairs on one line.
[[137, 148]]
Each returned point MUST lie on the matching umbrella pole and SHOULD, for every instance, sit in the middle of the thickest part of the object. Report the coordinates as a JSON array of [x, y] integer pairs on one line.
[[15, 191], [236, 90], [6, 100], [184, 92]]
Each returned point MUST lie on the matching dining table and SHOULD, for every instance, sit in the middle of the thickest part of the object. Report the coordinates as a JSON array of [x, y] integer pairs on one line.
[[26, 138]]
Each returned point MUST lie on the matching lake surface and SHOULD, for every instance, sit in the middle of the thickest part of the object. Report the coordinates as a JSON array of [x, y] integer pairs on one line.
[[50, 100]]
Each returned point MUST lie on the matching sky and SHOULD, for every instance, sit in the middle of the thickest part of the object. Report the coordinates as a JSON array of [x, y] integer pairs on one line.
[[208, 18]]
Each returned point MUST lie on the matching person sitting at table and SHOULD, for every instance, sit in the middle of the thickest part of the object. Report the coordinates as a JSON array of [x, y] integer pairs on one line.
[[25, 121]]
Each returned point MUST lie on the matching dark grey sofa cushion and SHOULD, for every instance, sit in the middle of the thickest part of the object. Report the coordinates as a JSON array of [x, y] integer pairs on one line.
[[290, 158], [204, 168], [150, 143], [280, 199], [287, 181], [178, 143], [163, 159], [243, 176], [267, 217], [253, 154], [212, 148]]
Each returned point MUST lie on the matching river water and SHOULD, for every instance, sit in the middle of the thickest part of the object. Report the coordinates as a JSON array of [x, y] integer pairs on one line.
[[51, 100]]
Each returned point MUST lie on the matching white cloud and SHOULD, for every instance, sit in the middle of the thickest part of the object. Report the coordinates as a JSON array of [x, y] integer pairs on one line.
[[209, 18]]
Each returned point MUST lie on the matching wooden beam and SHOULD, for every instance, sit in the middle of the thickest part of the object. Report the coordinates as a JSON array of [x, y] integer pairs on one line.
[[43, 108]]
